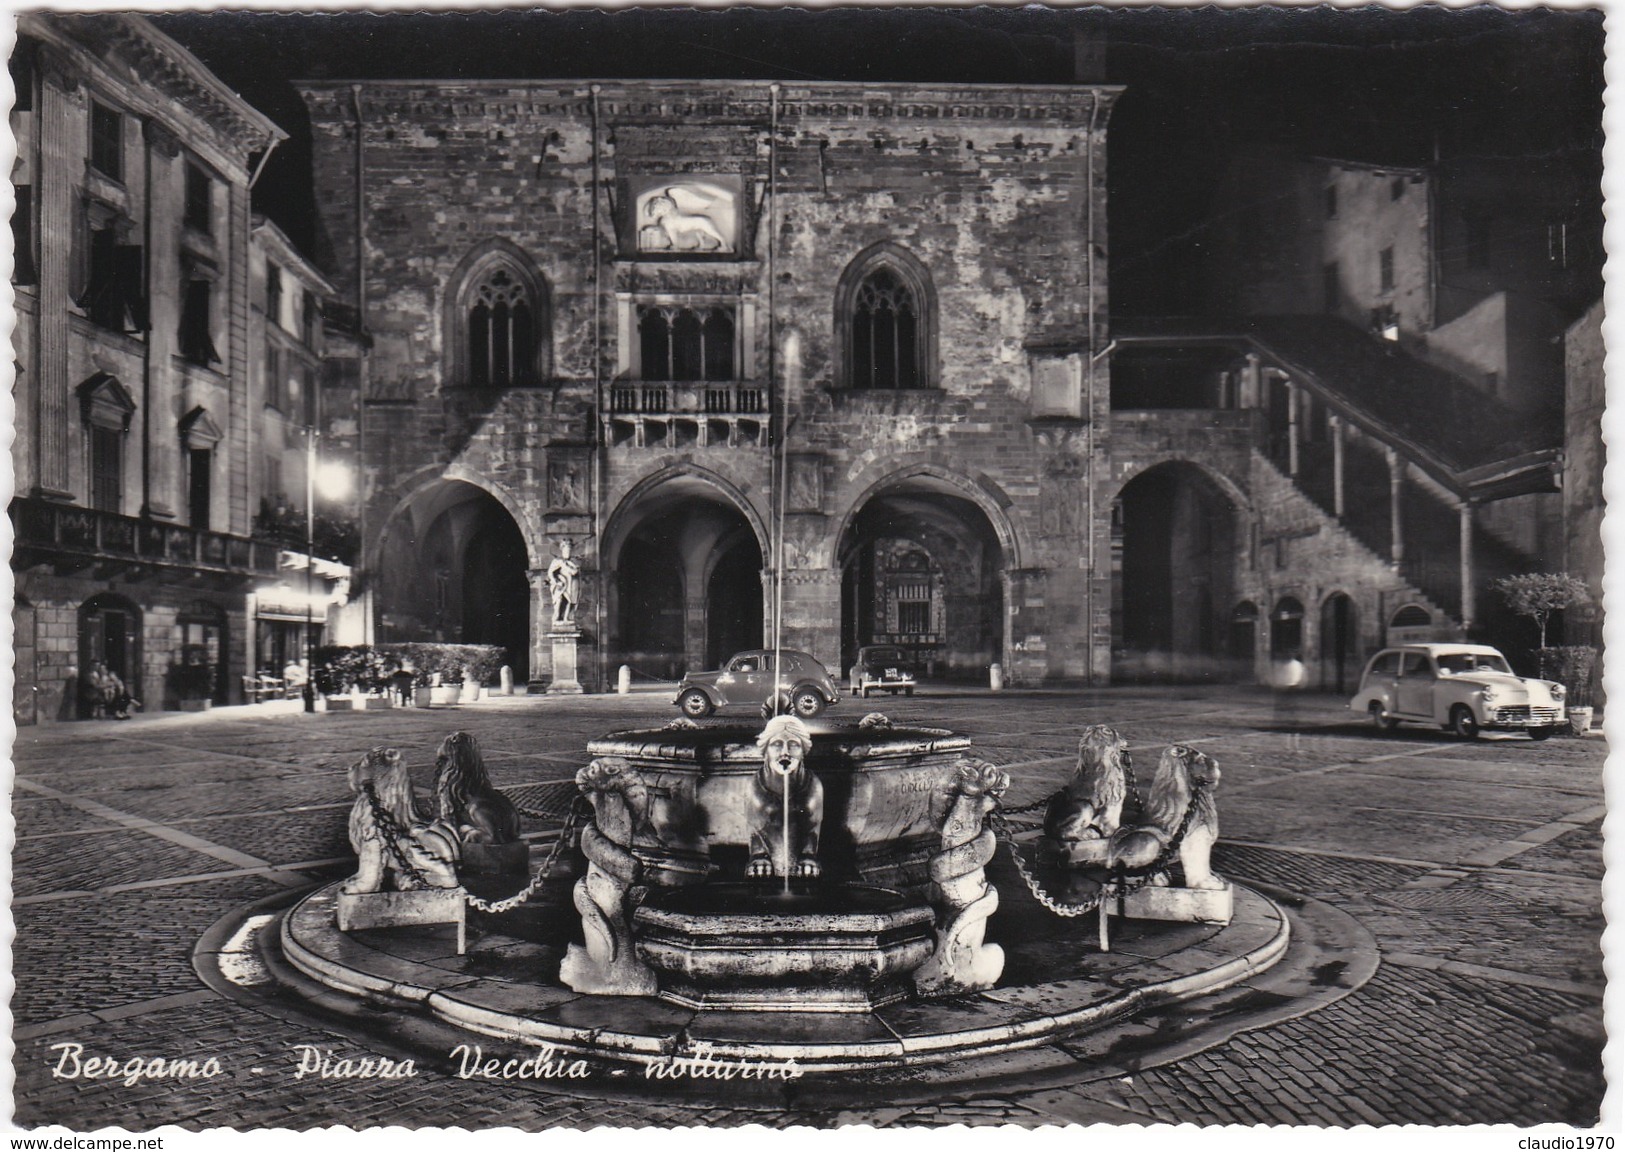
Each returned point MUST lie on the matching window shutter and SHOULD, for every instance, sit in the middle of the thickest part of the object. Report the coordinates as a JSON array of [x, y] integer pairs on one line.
[[127, 271]]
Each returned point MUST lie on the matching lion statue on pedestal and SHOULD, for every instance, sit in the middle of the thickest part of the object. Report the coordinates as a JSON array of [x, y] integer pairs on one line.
[[382, 814], [467, 799], [1183, 774], [1082, 817]]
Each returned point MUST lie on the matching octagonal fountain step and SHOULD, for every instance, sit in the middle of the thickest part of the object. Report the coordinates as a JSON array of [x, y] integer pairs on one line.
[[757, 947]]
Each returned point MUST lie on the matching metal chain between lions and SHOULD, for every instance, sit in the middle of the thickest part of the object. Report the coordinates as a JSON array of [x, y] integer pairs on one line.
[[392, 832], [1143, 876], [577, 811]]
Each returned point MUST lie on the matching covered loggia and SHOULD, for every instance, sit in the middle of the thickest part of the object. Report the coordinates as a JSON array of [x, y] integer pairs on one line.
[[922, 568], [687, 586], [454, 569], [1173, 577]]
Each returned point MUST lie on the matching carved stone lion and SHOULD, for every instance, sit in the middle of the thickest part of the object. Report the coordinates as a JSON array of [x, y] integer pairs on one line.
[[1182, 773], [784, 775], [431, 849], [467, 799], [1083, 816]]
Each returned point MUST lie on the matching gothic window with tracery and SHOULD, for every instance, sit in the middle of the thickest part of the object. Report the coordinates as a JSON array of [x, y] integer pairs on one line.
[[501, 333], [886, 321], [885, 333]]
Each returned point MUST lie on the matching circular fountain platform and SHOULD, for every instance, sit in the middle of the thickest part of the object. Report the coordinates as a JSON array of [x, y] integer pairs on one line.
[[760, 947], [1058, 986]]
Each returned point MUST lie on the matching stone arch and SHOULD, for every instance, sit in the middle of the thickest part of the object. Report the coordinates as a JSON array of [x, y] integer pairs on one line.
[[453, 562], [615, 525], [483, 261], [684, 555], [925, 557], [1338, 640], [424, 480], [984, 493], [913, 277], [1233, 492]]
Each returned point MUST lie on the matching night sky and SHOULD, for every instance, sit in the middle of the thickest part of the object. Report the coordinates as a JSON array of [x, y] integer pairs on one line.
[[1364, 84]]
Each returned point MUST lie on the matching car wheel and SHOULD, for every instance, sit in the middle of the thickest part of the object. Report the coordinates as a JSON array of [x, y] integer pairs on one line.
[[1381, 718], [865, 692], [696, 704], [1539, 733], [908, 691], [807, 703], [1462, 722]]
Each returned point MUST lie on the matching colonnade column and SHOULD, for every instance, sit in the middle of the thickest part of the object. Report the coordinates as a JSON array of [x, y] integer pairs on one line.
[[1294, 396], [1468, 608], [1337, 466], [1396, 480]]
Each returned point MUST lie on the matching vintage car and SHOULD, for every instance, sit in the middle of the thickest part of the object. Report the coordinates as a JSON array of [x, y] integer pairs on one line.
[[749, 678], [882, 668], [1464, 688]]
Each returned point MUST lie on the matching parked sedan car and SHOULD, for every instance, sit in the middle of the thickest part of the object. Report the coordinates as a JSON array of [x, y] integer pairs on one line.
[[749, 678], [882, 668], [1464, 688]]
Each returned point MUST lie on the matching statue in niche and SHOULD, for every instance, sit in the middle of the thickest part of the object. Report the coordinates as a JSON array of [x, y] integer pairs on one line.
[[563, 581], [804, 495], [1060, 503], [784, 778], [674, 220]]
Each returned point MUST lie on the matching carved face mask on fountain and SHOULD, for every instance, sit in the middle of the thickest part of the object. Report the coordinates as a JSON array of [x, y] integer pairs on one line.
[[787, 798]]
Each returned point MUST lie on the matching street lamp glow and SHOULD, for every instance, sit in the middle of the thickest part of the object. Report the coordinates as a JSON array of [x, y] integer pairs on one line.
[[334, 480]]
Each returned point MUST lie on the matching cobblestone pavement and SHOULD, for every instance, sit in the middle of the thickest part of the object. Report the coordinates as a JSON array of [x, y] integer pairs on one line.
[[1476, 866]]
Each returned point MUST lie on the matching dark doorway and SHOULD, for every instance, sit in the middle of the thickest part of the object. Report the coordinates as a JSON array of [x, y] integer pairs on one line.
[[110, 633], [1286, 630], [496, 589], [1173, 566], [649, 587], [1339, 645], [733, 603]]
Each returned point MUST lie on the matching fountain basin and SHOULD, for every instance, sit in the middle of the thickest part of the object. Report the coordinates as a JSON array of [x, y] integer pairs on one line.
[[880, 787], [754, 947]]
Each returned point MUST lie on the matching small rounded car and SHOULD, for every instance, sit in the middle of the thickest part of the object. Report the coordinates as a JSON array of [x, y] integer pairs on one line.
[[749, 678], [1463, 688], [882, 668]]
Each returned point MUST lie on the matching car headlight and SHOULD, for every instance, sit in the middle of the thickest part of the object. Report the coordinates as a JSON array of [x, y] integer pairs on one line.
[[1487, 694], [1558, 691]]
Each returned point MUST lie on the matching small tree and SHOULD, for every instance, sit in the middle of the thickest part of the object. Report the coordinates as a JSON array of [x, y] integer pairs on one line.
[[1538, 594]]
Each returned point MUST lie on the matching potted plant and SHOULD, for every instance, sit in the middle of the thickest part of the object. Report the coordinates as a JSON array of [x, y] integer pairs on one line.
[[1573, 667]]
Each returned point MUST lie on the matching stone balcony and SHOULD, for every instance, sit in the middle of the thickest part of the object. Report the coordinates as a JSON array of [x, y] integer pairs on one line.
[[72, 539], [684, 413]]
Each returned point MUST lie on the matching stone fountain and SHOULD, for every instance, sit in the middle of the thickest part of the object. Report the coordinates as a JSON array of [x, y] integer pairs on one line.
[[786, 870], [833, 881]]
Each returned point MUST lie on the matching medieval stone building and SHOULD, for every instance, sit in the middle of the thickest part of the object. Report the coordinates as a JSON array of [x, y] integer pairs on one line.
[[835, 359], [823, 354]]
